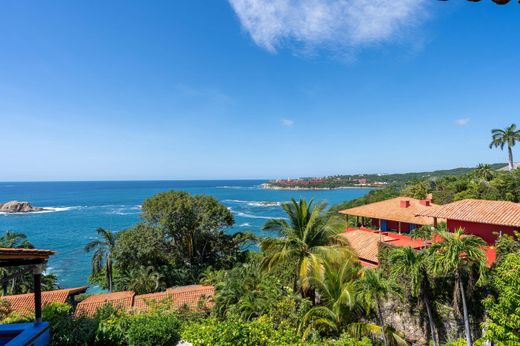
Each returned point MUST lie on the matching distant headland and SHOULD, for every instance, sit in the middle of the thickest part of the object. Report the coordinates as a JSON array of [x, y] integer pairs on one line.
[[362, 180]]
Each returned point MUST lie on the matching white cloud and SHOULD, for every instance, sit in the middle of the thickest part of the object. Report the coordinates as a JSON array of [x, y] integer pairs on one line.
[[333, 24], [462, 121], [287, 122]]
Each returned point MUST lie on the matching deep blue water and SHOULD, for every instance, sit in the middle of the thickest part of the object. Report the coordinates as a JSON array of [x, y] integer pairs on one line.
[[82, 207]]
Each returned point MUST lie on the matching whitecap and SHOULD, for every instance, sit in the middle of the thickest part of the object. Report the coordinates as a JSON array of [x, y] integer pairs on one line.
[[245, 224], [45, 211], [251, 216]]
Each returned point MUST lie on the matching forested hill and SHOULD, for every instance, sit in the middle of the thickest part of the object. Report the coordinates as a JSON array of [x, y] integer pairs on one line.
[[374, 180]]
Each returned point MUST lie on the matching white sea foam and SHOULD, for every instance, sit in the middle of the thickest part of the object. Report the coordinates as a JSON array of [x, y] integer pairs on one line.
[[251, 216], [45, 211], [254, 203], [245, 224]]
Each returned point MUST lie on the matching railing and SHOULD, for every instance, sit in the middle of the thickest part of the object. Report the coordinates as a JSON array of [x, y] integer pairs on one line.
[[24, 334]]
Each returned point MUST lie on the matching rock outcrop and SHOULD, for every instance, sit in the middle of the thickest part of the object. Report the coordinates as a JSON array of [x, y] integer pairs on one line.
[[18, 207]]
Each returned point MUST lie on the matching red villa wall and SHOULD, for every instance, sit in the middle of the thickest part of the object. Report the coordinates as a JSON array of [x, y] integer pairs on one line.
[[483, 230], [393, 225]]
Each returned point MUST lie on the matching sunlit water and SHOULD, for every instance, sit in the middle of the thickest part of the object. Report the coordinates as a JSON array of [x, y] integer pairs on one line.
[[82, 207]]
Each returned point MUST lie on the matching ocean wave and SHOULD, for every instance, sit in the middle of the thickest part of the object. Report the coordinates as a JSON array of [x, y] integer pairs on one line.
[[245, 224], [255, 203], [251, 216], [236, 187], [47, 210]]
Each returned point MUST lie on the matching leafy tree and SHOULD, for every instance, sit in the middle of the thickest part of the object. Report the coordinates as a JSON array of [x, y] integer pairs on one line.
[[503, 314], [305, 237], [423, 232], [506, 137], [103, 254], [411, 267], [192, 229], [373, 288], [457, 254]]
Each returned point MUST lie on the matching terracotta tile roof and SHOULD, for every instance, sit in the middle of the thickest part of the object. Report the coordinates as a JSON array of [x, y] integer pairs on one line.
[[392, 210], [192, 295], [478, 210], [24, 303], [189, 296], [365, 243], [89, 306], [141, 301]]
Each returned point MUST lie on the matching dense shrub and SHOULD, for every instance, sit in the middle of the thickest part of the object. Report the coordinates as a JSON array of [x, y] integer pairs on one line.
[[66, 329], [238, 332], [153, 330]]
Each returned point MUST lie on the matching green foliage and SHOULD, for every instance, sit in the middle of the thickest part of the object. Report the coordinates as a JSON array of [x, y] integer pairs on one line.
[[503, 310], [153, 330], [257, 332], [67, 330], [181, 237], [304, 238], [24, 283], [102, 257]]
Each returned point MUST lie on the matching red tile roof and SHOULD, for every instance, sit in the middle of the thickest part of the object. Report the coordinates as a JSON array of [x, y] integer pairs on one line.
[[365, 243], [478, 210], [392, 210], [24, 303], [89, 306], [189, 296], [192, 295]]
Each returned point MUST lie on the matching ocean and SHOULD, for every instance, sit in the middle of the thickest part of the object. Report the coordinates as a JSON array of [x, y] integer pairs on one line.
[[79, 208]]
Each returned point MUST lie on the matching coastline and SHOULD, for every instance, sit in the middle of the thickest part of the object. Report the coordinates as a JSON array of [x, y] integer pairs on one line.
[[267, 186]]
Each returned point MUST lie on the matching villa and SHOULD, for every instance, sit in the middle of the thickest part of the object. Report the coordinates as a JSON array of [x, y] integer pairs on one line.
[[397, 214], [484, 218], [393, 217]]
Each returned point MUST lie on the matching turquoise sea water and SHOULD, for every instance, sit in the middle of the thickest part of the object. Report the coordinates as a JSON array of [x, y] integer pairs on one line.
[[82, 207]]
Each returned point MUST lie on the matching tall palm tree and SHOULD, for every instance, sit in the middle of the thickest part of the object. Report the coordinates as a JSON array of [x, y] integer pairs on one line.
[[457, 254], [411, 266], [103, 251], [373, 288], [508, 136], [305, 237]]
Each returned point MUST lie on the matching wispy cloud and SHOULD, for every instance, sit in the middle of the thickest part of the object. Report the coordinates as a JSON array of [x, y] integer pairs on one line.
[[462, 121], [330, 24], [287, 122]]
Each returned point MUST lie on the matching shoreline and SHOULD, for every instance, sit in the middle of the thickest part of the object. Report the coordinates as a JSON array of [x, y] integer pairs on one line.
[[270, 187]]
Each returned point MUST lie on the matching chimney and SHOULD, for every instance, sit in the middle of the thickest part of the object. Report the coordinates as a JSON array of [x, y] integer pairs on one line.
[[405, 203], [429, 197], [425, 202]]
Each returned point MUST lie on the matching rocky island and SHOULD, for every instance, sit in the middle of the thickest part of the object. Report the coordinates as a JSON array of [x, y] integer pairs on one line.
[[18, 207]]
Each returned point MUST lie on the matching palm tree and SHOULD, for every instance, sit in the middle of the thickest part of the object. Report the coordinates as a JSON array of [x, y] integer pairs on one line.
[[456, 254], [373, 288], [141, 280], [424, 233], [335, 280], [411, 265], [305, 237], [15, 240], [501, 138], [103, 252], [484, 172]]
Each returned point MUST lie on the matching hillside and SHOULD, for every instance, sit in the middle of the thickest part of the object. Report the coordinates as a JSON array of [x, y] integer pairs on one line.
[[368, 180]]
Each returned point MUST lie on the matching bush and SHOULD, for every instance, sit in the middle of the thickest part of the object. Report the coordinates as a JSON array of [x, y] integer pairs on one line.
[[259, 332], [153, 330]]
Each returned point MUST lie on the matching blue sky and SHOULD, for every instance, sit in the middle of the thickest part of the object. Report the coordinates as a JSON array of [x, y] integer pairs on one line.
[[252, 88]]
